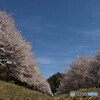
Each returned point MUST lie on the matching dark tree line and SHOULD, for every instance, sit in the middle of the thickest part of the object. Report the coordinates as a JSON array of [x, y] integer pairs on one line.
[[54, 81]]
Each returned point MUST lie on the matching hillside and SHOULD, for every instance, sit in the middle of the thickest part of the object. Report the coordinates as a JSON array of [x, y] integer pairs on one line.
[[10, 91], [67, 97]]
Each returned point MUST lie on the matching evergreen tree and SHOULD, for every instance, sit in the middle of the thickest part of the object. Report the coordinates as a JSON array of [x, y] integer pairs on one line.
[[54, 81]]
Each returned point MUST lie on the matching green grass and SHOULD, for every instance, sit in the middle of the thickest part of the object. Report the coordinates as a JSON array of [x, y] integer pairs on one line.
[[11, 91], [67, 96]]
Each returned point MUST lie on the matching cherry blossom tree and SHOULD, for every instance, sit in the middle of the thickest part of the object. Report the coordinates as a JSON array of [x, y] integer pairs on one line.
[[16, 59]]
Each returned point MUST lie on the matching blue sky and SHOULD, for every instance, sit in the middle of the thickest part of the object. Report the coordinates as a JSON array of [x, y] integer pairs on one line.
[[58, 29]]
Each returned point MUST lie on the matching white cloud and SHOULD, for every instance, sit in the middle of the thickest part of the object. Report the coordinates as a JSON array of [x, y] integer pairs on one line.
[[44, 60], [36, 23], [95, 32]]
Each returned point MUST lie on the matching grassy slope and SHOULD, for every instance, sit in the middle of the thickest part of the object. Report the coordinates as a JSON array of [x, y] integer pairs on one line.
[[67, 97], [10, 91]]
